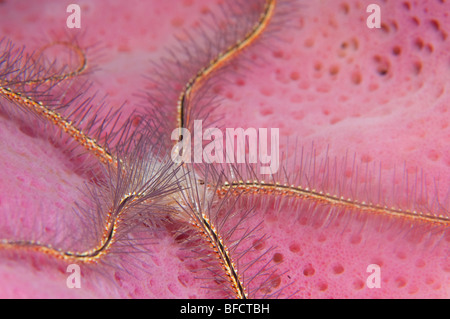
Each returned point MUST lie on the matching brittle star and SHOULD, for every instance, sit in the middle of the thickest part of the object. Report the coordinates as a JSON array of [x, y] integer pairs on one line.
[[192, 206]]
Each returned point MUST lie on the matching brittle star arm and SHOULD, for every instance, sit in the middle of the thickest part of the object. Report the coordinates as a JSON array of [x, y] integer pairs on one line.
[[84, 140], [220, 60], [262, 188], [201, 222], [52, 116], [89, 256]]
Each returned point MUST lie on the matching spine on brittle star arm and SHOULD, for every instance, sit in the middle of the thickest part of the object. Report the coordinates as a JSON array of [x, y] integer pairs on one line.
[[59, 121], [220, 60], [318, 196]]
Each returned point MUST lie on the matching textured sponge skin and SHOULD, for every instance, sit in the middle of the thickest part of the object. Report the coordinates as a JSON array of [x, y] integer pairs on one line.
[[381, 94]]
